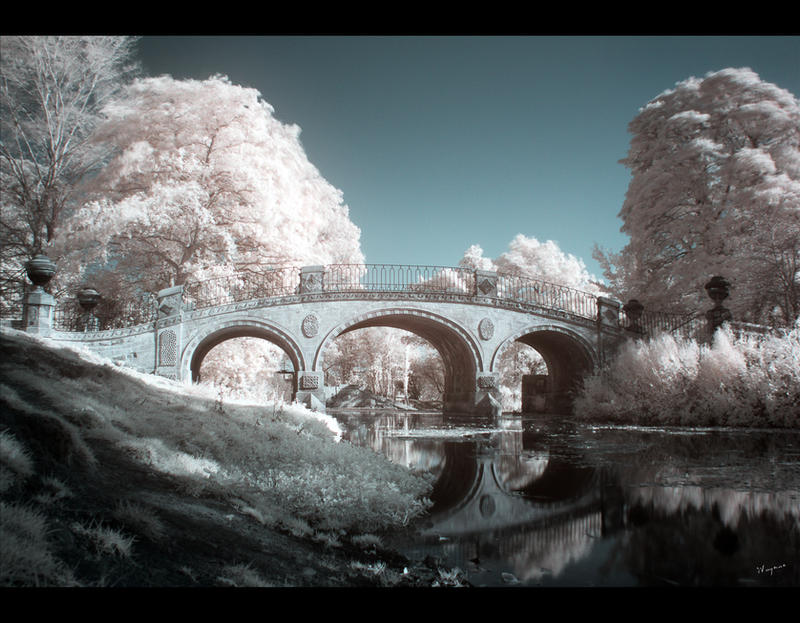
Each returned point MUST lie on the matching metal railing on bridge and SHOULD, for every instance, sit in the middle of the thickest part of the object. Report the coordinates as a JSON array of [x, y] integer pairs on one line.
[[68, 315], [653, 322], [689, 326], [244, 286], [546, 295], [398, 278], [393, 278]]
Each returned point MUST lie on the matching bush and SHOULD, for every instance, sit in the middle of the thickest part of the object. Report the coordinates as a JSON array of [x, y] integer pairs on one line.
[[737, 381]]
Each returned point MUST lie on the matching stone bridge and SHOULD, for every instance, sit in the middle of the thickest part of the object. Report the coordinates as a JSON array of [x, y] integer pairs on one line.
[[469, 316]]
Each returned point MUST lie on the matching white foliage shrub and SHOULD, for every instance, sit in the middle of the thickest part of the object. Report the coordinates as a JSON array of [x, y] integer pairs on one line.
[[736, 381]]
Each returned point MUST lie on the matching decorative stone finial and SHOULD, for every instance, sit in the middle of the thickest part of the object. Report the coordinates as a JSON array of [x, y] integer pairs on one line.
[[633, 310], [718, 289], [40, 271], [88, 298]]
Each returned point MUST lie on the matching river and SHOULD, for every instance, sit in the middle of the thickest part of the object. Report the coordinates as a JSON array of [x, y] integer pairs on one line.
[[545, 501]]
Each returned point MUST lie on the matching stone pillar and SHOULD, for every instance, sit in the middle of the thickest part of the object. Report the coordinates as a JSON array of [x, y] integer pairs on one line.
[[486, 283], [311, 390], [169, 334], [608, 312], [311, 279], [608, 325], [39, 312], [170, 301], [633, 310], [39, 304], [88, 299], [487, 394]]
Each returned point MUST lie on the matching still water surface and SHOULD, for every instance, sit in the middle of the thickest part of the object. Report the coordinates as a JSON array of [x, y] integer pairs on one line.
[[543, 501]]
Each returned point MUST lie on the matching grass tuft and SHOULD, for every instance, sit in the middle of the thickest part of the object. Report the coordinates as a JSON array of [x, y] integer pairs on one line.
[[105, 539], [15, 456], [242, 575], [140, 519], [28, 559]]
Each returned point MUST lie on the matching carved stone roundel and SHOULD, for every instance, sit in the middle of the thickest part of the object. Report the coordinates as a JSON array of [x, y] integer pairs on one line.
[[310, 325], [486, 329]]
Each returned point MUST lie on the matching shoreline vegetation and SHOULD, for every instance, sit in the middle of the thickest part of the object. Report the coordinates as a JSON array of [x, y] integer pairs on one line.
[[736, 381]]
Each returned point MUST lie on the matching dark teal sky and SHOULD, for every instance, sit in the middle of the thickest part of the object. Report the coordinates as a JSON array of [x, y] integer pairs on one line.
[[442, 142]]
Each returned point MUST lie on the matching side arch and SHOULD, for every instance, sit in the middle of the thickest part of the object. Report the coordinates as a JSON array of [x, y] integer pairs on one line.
[[568, 355], [205, 338]]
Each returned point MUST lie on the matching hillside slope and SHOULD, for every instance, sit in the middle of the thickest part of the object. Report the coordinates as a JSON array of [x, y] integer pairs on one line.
[[111, 478]]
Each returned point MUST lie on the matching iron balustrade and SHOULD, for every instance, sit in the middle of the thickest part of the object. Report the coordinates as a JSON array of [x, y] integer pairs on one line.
[[398, 278], [654, 322], [68, 315], [546, 295], [689, 326], [276, 282], [392, 278]]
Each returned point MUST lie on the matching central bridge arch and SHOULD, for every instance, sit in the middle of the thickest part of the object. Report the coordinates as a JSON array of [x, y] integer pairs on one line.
[[460, 352]]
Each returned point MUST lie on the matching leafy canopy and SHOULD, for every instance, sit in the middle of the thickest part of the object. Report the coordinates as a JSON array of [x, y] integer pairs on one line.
[[715, 189]]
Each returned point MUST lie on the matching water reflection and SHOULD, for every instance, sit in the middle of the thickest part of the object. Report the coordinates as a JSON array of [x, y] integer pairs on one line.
[[533, 502]]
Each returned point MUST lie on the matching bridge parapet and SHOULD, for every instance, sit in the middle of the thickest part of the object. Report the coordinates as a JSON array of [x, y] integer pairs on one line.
[[410, 280]]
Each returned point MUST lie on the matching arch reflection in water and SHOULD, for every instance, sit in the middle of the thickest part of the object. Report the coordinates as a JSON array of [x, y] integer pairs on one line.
[[594, 507], [493, 496]]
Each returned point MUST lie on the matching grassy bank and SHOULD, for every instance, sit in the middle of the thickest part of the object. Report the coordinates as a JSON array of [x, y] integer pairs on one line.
[[113, 478]]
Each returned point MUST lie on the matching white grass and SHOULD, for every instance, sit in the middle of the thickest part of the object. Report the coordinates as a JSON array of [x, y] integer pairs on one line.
[[367, 541], [53, 491], [242, 575], [156, 454]]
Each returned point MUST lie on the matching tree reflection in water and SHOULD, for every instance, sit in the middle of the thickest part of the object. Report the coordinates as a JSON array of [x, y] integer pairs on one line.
[[549, 503]]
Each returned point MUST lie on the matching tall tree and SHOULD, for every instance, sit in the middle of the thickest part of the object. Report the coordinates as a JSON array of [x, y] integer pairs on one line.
[[715, 189], [207, 183], [51, 92]]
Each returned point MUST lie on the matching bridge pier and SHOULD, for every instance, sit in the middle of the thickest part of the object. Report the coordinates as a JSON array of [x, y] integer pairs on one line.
[[311, 390]]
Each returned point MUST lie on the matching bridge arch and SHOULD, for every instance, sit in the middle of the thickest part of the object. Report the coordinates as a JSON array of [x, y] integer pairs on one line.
[[206, 338], [569, 356], [458, 348]]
